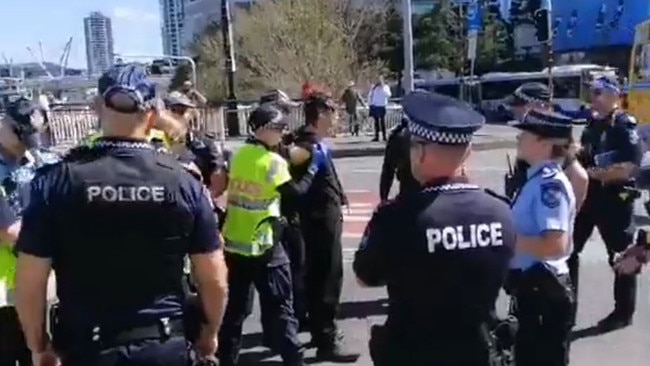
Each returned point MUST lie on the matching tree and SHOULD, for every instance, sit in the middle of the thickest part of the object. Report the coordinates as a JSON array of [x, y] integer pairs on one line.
[[281, 44], [392, 43], [440, 44], [182, 73], [442, 39]]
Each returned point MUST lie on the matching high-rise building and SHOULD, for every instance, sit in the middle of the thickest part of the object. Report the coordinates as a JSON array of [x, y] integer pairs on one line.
[[172, 17], [99, 42]]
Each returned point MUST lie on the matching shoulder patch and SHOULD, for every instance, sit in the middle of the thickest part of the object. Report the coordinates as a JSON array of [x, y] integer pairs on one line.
[[551, 194]]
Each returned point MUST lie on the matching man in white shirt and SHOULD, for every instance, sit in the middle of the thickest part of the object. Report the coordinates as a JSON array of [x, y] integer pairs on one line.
[[378, 100]]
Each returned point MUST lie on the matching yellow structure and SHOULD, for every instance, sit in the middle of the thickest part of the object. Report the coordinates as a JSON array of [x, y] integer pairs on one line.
[[638, 88]]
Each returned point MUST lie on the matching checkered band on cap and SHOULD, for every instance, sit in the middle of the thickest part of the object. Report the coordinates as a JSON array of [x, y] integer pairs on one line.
[[527, 98], [443, 137], [534, 117]]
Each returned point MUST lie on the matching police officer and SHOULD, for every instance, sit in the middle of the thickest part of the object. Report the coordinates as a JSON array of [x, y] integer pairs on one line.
[[179, 105], [611, 152], [543, 211], [397, 164], [139, 209], [442, 252], [293, 240], [19, 132], [258, 180], [321, 218], [538, 96]]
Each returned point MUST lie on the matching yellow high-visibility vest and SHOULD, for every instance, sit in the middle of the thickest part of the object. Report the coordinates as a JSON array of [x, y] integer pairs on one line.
[[253, 199]]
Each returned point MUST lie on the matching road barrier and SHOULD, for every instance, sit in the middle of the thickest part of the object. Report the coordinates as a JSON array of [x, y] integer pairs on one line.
[[69, 127]]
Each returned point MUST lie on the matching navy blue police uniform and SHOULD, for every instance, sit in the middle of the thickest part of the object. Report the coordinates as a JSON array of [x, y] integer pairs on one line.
[[609, 207], [102, 215], [445, 275], [397, 163]]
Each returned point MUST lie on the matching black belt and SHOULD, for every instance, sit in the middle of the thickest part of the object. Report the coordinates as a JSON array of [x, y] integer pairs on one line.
[[102, 338]]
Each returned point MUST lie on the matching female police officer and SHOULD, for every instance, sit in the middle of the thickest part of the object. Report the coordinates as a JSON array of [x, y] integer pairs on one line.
[[543, 212]]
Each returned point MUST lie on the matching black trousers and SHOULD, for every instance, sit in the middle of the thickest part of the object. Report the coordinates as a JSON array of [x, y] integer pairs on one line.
[[12, 342], [388, 351], [274, 287], [169, 352], [544, 308], [378, 114], [323, 274], [294, 246], [612, 215]]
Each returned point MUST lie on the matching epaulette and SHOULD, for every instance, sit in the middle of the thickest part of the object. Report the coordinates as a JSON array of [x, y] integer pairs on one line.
[[548, 173], [626, 120], [497, 196]]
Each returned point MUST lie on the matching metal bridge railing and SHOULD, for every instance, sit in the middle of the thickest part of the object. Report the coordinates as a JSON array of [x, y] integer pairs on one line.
[[69, 127]]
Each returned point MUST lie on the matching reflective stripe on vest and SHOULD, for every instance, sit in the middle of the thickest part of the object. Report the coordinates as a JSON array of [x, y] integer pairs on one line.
[[252, 201], [7, 275], [153, 134]]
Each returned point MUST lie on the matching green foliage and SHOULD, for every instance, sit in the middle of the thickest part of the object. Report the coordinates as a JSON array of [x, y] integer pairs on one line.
[[441, 39], [392, 44], [182, 73]]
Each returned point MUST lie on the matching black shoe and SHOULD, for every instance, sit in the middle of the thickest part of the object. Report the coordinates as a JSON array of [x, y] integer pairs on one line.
[[336, 350], [375, 139], [614, 321]]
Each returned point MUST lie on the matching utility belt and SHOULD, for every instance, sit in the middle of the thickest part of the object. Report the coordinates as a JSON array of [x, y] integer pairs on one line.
[[93, 339], [497, 348], [540, 281]]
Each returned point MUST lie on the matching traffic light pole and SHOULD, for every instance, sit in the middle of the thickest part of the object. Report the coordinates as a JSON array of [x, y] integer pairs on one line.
[[232, 112], [550, 62]]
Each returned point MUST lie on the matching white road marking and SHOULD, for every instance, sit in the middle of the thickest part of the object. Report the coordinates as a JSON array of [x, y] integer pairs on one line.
[[357, 191], [360, 205], [354, 218], [366, 171]]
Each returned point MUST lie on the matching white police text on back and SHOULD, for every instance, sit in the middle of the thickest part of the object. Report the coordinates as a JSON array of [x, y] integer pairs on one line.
[[465, 236], [108, 193]]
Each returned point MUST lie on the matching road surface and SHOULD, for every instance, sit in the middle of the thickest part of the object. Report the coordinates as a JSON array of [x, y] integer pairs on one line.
[[363, 307]]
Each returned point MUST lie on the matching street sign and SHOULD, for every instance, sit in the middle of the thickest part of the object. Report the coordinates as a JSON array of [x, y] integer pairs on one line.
[[474, 19]]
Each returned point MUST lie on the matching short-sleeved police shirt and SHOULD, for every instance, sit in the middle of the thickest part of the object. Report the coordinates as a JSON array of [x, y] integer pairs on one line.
[[117, 220], [443, 264]]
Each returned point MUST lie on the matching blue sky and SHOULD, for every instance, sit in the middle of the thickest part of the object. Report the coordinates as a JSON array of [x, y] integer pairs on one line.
[[136, 27]]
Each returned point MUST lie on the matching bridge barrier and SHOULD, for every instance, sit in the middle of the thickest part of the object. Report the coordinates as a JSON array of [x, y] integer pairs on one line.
[[69, 127]]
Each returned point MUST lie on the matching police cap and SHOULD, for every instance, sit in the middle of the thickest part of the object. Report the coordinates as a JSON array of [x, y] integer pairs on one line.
[[605, 84], [546, 124], [280, 99], [126, 88], [177, 98], [529, 93], [440, 119], [26, 118], [267, 116]]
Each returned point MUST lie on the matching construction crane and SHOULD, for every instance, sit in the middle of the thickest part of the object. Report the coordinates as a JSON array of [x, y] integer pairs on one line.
[[40, 61], [63, 61], [9, 64]]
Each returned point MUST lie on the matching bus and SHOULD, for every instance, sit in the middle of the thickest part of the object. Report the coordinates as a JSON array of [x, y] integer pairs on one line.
[[570, 82], [463, 88]]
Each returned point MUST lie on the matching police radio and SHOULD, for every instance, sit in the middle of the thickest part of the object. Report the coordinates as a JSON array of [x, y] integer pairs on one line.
[[510, 186]]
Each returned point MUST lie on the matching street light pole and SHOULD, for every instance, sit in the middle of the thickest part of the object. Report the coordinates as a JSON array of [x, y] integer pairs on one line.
[[232, 115], [407, 32]]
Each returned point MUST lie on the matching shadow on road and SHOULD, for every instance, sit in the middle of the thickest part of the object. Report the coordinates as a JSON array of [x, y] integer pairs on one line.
[[363, 309], [592, 331]]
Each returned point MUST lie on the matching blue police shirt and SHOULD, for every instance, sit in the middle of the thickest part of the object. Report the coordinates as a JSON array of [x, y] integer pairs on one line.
[[15, 178], [545, 203], [52, 190]]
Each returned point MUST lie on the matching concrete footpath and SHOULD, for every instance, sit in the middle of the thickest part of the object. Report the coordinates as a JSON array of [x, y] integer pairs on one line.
[[345, 146]]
